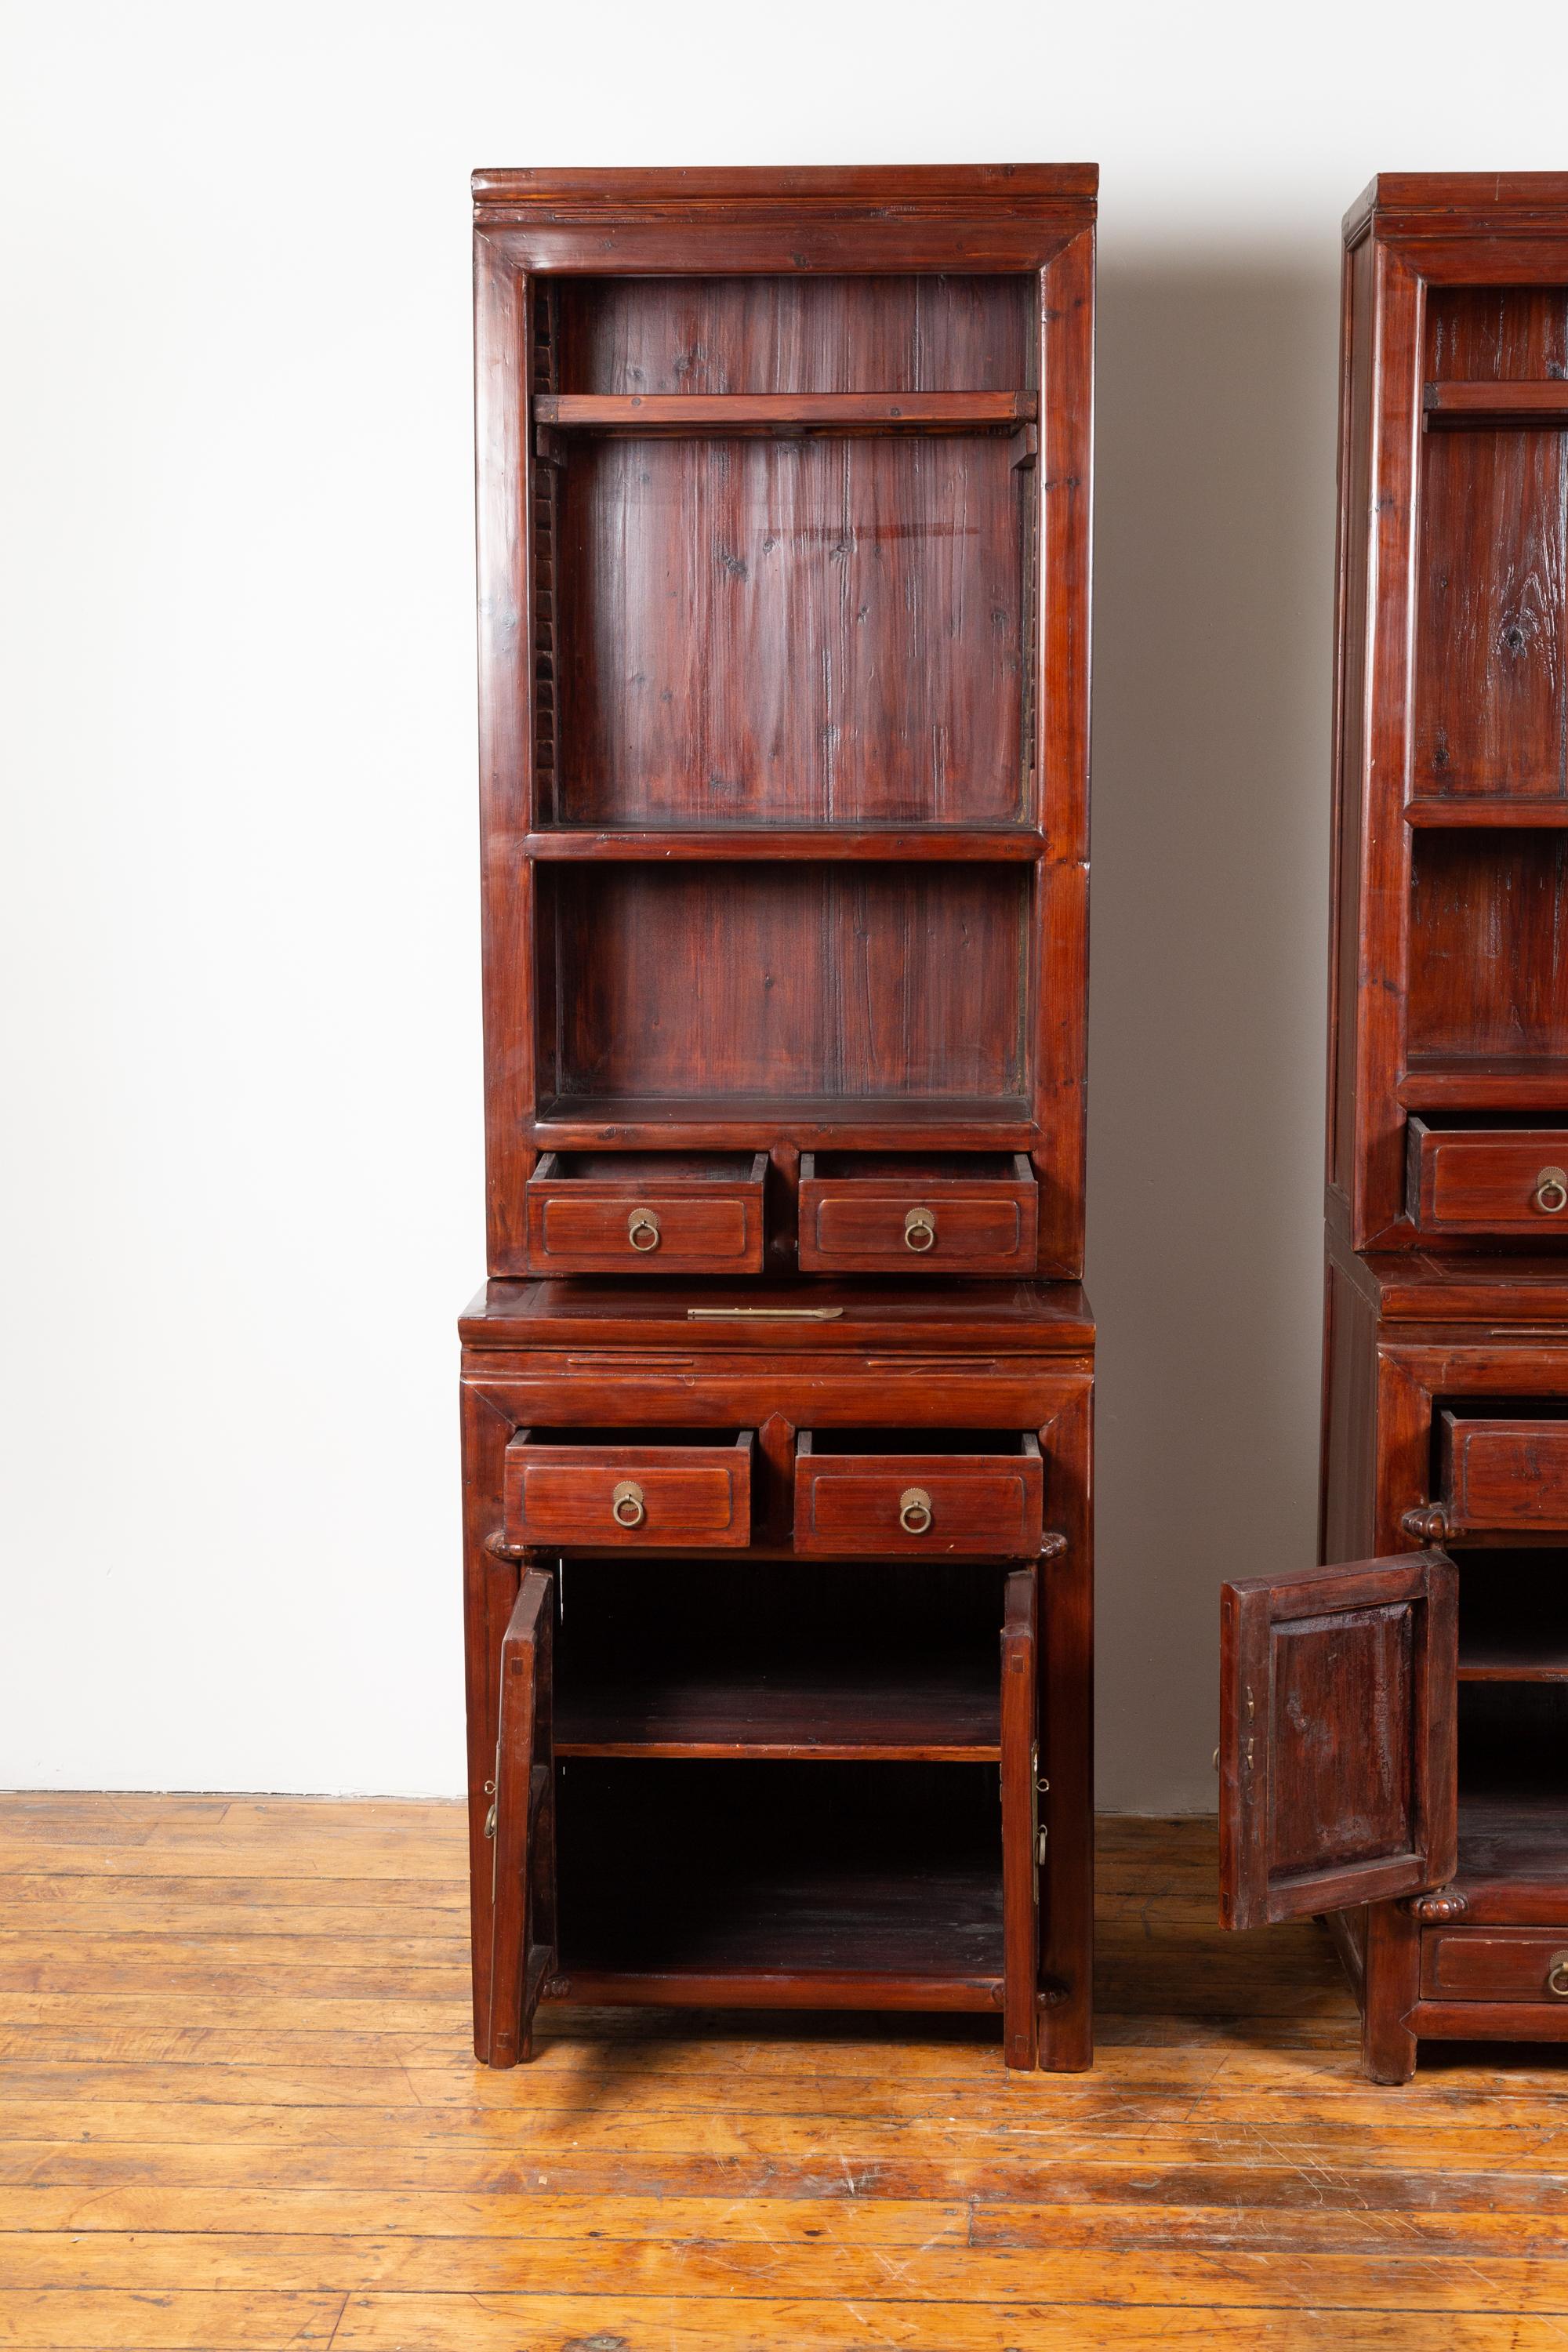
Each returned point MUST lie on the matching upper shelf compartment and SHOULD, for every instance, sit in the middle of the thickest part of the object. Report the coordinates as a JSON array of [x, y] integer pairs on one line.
[[1490, 709]]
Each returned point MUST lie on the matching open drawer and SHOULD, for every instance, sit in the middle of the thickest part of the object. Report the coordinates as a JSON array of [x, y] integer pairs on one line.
[[1502, 1472], [670, 1212], [896, 1211], [603, 1489], [1488, 1179], [885, 1491]]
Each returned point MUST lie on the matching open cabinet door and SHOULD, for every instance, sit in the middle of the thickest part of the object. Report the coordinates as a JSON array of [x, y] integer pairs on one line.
[[1020, 1818], [522, 1919], [1339, 1774]]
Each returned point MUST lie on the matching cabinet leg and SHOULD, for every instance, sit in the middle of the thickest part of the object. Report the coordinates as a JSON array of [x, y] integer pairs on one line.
[[1390, 1989]]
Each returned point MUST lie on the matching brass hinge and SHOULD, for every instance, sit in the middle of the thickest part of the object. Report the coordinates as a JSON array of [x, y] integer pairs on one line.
[[1428, 1523]]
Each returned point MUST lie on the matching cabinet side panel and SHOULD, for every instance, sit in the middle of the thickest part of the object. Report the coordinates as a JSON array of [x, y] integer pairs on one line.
[[1350, 704], [503, 493], [1350, 1422]]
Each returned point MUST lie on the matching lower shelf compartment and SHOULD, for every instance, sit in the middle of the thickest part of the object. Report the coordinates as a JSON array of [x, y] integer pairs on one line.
[[818, 1883], [1513, 1784]]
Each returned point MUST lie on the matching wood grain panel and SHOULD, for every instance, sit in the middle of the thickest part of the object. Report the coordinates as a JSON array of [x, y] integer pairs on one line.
[[811, 630], [1489, 947], [723, 982], [815, 333]]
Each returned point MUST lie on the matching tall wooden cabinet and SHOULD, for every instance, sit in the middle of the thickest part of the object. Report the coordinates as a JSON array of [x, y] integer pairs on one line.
[[776, 1403], [1394, 1747]]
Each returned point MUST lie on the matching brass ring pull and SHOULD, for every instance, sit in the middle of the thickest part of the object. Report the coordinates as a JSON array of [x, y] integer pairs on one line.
[[920, 1230], [626, 1506], [1557, 1975], [642, 1228], [914, 1511], [1551, 1194]]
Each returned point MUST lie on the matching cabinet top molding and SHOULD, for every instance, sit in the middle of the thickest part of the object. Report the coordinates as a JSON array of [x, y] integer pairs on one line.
[[1460, 203], [855, 191]]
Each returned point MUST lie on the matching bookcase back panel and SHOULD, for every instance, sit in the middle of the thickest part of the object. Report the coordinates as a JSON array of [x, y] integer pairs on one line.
[[1489, 946], [708, 982], [801, 629], [1495, 334], [1491, 714], [632, 335]]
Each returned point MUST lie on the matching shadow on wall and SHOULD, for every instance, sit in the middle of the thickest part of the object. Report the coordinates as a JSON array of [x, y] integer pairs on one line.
[[1215, 540]]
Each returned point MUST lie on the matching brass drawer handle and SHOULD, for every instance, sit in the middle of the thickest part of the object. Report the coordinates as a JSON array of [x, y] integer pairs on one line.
[[626, 1506], [642, 1228], [1551, 1194], [1557, 1975], [920, 1229], [915, 1517]]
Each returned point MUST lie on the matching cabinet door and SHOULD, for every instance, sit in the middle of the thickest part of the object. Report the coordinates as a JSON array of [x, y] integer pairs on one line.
[[1338, 1754], [1020, 1820], [522, 1922]]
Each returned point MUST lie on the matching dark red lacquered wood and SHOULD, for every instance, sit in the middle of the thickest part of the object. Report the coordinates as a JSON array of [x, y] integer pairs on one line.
[[784, 492]]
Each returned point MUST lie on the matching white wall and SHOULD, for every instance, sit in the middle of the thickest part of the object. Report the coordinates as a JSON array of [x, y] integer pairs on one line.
[[240, 1185]]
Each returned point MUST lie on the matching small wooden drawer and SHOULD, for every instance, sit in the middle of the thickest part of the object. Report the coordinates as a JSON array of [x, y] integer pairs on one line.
[[900, 1211], [1488, 1179], [859, 1491], [1513, 1964], [600, 1489], [1500, 1474], [665, 1211]]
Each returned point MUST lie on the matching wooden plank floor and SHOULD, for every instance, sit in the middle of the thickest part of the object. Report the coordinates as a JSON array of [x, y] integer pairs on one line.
[[238, 2108]]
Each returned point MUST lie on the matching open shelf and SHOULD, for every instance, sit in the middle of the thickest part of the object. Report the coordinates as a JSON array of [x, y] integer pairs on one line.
[[636, 845], [824, 631], [858, 1661], [1547, 807], [757, 985], [1524, 1082], [726, 1875], [1513, 1615], [786, 412], [873, 1710], [935, 1123], [1543, 401], [1513, 1782], [1487, 1008]]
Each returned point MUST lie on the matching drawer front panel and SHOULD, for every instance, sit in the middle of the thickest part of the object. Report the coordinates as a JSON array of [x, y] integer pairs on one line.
[[1513, 1964], [853, 1223], [645, 1220], [725, 1232], [1489, 1180], [615, 1496], [1503, 1475], [847, 1505], [850, 1224]]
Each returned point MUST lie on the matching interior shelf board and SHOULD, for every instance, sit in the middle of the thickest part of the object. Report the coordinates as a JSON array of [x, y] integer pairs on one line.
[[939, 1716], [1455, 811], [918, 1121], [786, 412], [836, 1919], [1505, 1662], [1516, 1832], [1543, 402], [1490, 1082], [892, 843]]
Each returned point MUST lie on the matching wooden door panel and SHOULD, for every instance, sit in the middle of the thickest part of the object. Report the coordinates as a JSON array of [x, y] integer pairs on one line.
[[1020, 1818], [522, 1910], [1338, 1759]]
